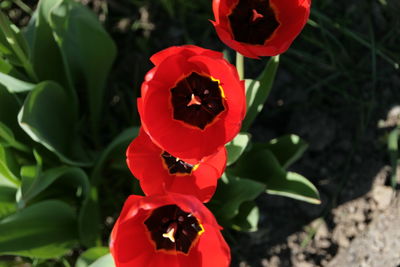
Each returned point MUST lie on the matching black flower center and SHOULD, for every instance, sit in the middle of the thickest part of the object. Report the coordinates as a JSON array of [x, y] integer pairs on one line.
[[172, 229], [175, 165], [253, 21], [197, 100]]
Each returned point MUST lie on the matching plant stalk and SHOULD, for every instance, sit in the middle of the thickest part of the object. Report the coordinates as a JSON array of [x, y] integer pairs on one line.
[[240, 65]]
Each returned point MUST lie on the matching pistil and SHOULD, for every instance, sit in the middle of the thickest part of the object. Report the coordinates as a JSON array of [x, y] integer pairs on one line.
[[195, 100], [256, 16]]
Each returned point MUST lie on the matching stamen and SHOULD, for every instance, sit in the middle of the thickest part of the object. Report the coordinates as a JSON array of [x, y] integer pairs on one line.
[[256, 15], [195, 100], [253, 21], [190, 98], [172, 229], [170, 232]]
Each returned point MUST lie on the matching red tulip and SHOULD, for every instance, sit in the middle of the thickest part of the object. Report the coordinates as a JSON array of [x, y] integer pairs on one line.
[[192, 103], [260, 27], [159, 172], [167, 230]]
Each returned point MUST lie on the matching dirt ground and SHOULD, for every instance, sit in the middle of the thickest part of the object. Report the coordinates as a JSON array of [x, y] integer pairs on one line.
[[357, 223]]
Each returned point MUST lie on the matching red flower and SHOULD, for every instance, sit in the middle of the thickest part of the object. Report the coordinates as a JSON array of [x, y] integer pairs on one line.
[[167, 230], [159, 172], [260, 27], [192, 103]]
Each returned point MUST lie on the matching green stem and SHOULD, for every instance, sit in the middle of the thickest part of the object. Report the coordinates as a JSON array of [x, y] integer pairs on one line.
[[23, 6], [240, 65], [10, 36]]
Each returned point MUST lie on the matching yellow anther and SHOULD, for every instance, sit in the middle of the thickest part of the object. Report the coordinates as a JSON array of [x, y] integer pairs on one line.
[[170, 234]]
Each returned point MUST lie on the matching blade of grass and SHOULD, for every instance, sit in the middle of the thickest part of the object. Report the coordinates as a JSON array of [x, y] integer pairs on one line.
[[394, 62]]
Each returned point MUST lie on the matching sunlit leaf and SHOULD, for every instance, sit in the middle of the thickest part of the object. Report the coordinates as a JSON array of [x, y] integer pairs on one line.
[[14, 85], [13, 45], [104, 261], [7, 68], [9, 168], [261, 165], [46, 229], [236, 147], [7, 139], [91, 255], [247, 218], [257, 91], [7, 201], [287, 149], [231, 193], [295, 186]]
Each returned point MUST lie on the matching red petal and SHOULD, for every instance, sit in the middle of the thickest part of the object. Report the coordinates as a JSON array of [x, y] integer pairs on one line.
[[291, 14], [145, 162], [163, 259], [211, 249], [155, 108], [131, 245]]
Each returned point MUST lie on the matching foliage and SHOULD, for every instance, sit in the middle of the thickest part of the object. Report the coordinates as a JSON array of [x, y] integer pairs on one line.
[[56, 154], [52, 84]]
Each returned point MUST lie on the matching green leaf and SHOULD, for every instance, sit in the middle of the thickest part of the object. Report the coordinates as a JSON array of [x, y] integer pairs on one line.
[[236, 147], [14, 85], [89, 220], [248, 217], [34, 182], [287, 149], [231, 193], [7, 201], [9, 168], [72, 175], [7, 68], [104, 261], [257, 92], [44, 230], [46, 57], [169, 7], [29, 173], [261, 165], [48, 118], [115, 149], [7, 139], [13, 45], [295, 186], [9, 108], [76, 30], [91, 255]]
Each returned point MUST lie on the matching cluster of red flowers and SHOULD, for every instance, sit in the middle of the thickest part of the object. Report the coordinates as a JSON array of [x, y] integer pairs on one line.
[[192, 104]]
